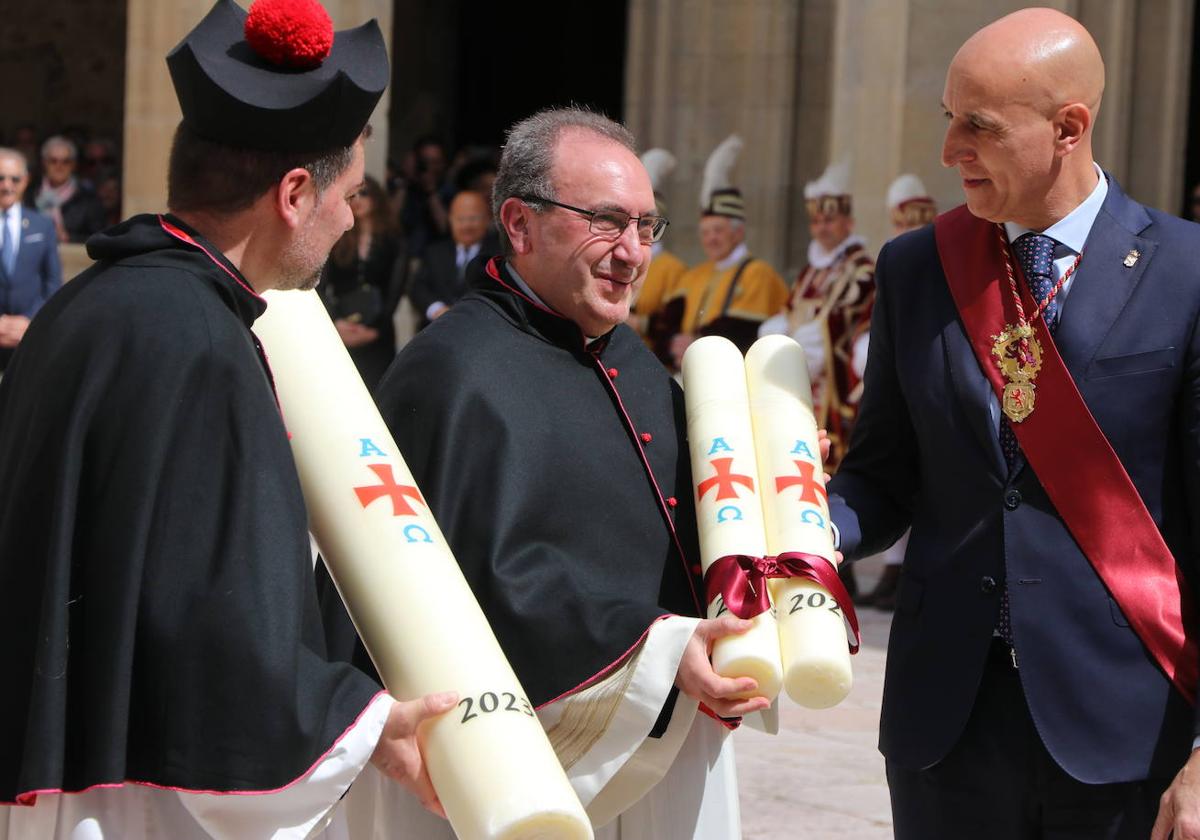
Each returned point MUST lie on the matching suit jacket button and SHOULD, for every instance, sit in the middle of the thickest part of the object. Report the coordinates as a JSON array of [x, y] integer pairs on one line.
[[1012, 499], [987, 584]]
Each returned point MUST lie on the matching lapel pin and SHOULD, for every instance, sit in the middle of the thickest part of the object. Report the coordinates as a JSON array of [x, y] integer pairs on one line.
[[1131, 258], [24, 222]]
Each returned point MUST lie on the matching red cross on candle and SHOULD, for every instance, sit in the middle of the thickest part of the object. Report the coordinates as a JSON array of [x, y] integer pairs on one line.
[[812, 490], [399, 493], [724, 480]]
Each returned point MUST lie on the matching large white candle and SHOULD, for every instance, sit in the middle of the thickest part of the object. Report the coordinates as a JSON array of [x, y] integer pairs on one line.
[[728, 508], [816, 658], [489, 759]]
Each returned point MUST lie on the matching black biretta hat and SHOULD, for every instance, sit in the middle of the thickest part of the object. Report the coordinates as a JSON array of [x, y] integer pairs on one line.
[[299, 88]]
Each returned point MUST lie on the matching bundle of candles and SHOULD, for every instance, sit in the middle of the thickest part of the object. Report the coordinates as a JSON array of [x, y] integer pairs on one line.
[[766, 544]]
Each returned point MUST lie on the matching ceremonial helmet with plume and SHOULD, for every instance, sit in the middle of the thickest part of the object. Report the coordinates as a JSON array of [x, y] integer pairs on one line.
[[659, 165], [829, 195], [718, 195], [910, 203]]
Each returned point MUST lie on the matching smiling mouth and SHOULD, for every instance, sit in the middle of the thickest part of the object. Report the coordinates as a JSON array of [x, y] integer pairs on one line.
[[617, 280]]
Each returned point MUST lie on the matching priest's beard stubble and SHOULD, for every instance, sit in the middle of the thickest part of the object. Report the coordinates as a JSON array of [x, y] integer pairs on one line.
[[302, 262]]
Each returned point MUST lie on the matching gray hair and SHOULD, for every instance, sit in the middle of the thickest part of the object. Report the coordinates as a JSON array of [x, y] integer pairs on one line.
[[61, 142], [528, 155], [13, 154]]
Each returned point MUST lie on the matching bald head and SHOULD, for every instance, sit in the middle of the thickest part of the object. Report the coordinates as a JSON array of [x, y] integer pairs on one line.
[[1021, 97], [1042, 57]]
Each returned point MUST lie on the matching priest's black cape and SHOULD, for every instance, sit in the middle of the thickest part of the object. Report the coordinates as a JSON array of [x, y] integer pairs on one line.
[[559, 474], [159, 619]]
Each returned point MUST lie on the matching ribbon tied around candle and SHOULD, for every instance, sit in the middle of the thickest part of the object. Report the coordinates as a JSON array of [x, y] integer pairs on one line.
[[741, 580]]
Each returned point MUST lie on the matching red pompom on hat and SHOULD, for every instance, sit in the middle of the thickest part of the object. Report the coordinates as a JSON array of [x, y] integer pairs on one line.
[[290, 33]]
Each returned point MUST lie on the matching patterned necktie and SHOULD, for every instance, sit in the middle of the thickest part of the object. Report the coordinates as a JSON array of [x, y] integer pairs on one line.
[[1036, 253], [8, 251]]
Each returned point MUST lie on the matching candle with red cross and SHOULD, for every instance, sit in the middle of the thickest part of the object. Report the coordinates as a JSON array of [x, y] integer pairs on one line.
[[816, 657], [728, 509], [490, 760]]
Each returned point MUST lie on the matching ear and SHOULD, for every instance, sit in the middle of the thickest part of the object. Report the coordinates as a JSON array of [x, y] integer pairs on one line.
[[516, 217], [1071, 125], [295, 195]]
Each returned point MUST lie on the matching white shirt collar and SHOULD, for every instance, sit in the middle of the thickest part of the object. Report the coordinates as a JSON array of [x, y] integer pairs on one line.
[[735, 256], [818, 257], [528, 292], [524, 287], [1072, 229]]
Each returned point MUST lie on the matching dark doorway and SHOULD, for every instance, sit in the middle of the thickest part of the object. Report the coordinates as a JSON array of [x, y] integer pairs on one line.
[[506, 73], [464, 72]]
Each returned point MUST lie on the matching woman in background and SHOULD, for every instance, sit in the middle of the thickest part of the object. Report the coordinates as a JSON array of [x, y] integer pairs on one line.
[[364, 280]]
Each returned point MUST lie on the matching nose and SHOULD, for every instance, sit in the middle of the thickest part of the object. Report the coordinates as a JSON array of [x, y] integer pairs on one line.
[[954, 149], [629, 245]]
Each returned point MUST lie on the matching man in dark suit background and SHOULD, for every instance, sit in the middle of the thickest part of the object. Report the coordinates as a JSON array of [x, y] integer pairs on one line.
[[1028, 694], [29, 266], [439, 281]]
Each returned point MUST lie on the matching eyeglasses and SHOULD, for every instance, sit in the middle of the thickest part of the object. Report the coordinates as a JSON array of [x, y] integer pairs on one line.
[[16, 179], [48, 159], [611, 223]]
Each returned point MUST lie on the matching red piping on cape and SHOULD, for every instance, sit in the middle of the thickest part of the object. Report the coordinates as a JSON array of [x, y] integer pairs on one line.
[[607, 668], [29, 798], [182, 236], [662, 503], [493, 271]]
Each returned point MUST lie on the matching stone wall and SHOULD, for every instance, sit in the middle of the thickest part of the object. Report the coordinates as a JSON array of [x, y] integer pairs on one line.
[[62, 62]]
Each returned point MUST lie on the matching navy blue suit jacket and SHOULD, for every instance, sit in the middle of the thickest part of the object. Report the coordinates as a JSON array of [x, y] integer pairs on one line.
[[925, 452], [37, 273]]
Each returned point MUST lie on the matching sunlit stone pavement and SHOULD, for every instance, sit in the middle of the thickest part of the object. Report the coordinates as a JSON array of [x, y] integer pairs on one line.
[[822, 776]]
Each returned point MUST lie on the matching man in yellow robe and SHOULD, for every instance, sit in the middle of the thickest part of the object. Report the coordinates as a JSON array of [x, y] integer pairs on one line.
[[732, 292]]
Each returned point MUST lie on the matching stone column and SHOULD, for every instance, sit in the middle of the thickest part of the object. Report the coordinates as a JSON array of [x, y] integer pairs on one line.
[[698, 71], [151, 112]]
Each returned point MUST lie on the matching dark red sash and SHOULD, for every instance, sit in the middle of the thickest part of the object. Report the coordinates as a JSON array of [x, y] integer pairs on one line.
[[1089, 488]]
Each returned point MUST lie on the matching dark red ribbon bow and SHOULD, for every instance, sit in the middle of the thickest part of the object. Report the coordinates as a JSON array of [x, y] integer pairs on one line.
[[741, 580]]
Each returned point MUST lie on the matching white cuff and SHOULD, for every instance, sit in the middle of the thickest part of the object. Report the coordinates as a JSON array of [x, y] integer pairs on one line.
[[301, 808]]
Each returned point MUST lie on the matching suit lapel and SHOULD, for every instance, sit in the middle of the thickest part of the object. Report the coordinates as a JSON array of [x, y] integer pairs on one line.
[[1103, 283], [974, 392]]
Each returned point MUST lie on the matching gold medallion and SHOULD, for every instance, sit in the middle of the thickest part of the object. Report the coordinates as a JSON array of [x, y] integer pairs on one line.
[[1018, 353], [1018, 401], [1019, 356]]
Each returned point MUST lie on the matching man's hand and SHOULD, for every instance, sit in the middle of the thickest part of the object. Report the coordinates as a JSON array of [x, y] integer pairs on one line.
[[679, 345], [354, 334], [824, 443], [398, 756], [697, 679], [12, 329], [1179, 808]]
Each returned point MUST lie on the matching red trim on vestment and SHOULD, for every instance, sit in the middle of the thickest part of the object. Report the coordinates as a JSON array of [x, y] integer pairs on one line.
[[493, 271], [30, 797], [183, 236], [662, 502], [1091, 490], [607, 668], [729, 723]]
